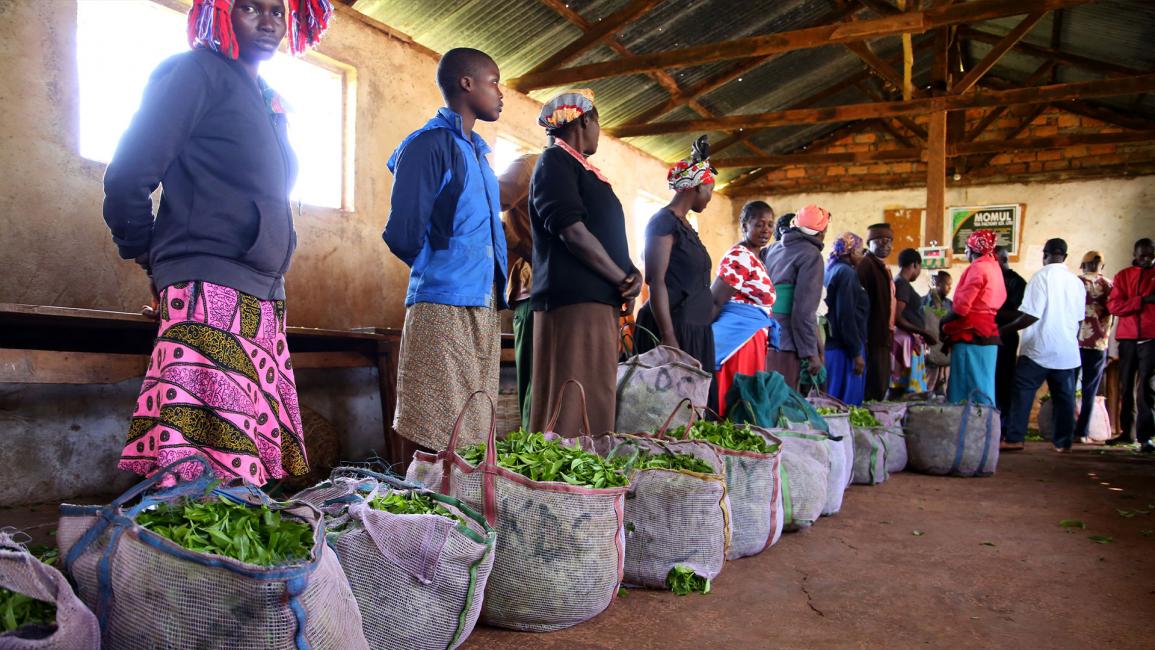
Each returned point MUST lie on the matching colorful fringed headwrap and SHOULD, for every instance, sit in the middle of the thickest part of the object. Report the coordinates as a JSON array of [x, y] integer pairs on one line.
[[210, 25], [843, 246], [982, 242], [693, 171], [565, 108]]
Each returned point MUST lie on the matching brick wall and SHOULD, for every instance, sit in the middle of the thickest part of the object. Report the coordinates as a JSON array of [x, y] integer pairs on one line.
[[1070, 163]]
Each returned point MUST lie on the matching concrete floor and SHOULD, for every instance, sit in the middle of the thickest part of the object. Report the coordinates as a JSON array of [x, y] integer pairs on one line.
[[992, 569]]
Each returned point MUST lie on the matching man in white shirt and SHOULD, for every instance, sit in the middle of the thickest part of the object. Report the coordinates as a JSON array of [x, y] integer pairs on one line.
[[1052, 309]]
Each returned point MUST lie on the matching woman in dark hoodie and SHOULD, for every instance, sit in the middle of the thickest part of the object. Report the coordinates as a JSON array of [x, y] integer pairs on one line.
[[219, 384]]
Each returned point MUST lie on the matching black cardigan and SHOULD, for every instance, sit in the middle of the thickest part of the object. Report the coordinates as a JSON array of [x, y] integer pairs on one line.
[[204, 132]]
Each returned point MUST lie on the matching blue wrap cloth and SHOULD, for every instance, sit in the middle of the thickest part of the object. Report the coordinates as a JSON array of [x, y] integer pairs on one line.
[[736, 324]]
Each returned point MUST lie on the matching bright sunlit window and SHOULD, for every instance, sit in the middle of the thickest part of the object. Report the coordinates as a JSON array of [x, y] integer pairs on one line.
[[505, 151], [645, 206], [114, 71]]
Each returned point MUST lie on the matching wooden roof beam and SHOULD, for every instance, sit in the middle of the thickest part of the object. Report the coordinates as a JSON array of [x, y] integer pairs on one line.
[[595, 34], [714, 82], [824, 141], [875, 63], [998, 111], [997, 53], [1086, 63], [993, 147], [981, 99], [910, 124], [765, 45]]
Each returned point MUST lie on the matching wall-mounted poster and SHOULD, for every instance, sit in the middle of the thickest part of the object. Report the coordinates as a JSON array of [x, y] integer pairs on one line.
[[1005, 220]]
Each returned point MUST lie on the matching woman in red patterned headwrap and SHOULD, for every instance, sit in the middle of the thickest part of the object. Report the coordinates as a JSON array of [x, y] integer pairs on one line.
[[220, 383], [970, 327]]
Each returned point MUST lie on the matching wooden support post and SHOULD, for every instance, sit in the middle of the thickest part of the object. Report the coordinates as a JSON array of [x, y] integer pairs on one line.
[[936, 179]]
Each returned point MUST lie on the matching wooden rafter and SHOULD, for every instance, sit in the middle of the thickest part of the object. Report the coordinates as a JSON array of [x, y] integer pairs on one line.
[[884, 127], [875, 63], [663, 78], [595, 34], [820, 143], [918, 178], [981, 99], [1065, 58], [1108, 115], [910, 124], [1000, 49], [955, 151], [716, 81], [997, 112], [983, 160], [765, 45]]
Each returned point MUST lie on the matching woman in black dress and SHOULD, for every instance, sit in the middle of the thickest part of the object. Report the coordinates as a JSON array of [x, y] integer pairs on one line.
[[680, 309]]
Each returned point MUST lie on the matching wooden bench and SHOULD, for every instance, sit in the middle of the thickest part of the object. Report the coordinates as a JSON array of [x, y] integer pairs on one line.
[[63, 345]]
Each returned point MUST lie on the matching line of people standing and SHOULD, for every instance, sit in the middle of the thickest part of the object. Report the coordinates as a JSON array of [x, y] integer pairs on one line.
[[220, 383]]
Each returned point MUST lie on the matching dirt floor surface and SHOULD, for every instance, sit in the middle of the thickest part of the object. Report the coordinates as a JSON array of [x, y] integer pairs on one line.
[[919, 561]]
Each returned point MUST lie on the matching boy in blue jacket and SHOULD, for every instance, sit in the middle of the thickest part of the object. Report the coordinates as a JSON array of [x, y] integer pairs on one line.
[[445, 224]]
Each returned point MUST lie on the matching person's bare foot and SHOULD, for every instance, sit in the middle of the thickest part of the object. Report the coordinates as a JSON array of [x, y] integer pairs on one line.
[[1011, 446], [1062, 450]]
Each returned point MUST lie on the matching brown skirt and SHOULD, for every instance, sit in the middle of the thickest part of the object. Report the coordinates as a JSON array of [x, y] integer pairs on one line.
[[575, 342], [447, 353]]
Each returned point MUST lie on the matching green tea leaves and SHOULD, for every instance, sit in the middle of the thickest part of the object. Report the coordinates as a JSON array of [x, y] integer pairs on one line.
[[725, 434], [248, 533], [682, 581], [860, 417], [411, 503], [532, 456]]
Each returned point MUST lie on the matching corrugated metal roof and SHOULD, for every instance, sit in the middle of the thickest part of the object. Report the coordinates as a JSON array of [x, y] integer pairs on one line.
[[522, 33]]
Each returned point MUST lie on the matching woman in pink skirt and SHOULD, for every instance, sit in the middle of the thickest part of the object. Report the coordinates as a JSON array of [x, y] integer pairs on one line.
[[220, 383]]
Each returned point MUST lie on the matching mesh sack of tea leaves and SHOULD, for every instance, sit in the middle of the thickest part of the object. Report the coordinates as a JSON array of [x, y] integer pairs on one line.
[[651, 384], [956, 439], [417, 561], [202, 565], [841, 447], [805, 472], [677, 512], [753, 480], [888, 414], [869, 448], [558, 513], [38, 610]]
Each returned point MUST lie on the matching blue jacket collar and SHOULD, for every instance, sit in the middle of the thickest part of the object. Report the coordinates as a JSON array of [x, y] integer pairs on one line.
[[451, 120]]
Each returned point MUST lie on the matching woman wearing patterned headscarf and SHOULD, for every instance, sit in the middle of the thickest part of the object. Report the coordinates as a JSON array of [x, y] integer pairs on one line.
[[219, 384], [847, 313], [970, 326], [681, 307], [582, 274]]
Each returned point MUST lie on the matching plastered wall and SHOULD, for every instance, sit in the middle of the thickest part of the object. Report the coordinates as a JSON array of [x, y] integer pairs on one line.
[[1107, 215], [56, 248]]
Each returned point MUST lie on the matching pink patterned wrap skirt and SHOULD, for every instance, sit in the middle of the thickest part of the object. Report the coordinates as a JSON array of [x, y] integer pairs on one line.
[[220, 386]]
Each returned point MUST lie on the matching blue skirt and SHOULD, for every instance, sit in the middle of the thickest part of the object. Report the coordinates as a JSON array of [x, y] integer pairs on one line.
[[972, 370], [841, 381]]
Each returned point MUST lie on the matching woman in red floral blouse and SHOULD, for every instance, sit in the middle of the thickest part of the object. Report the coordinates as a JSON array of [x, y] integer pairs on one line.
[[743, 295]]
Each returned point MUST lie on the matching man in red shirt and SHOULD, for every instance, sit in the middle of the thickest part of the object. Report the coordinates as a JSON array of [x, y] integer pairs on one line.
[[1132, 300]]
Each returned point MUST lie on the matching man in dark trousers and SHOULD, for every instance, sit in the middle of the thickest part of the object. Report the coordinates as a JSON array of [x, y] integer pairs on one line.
[[1132, 300], [879, 284], [1009, 350]]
